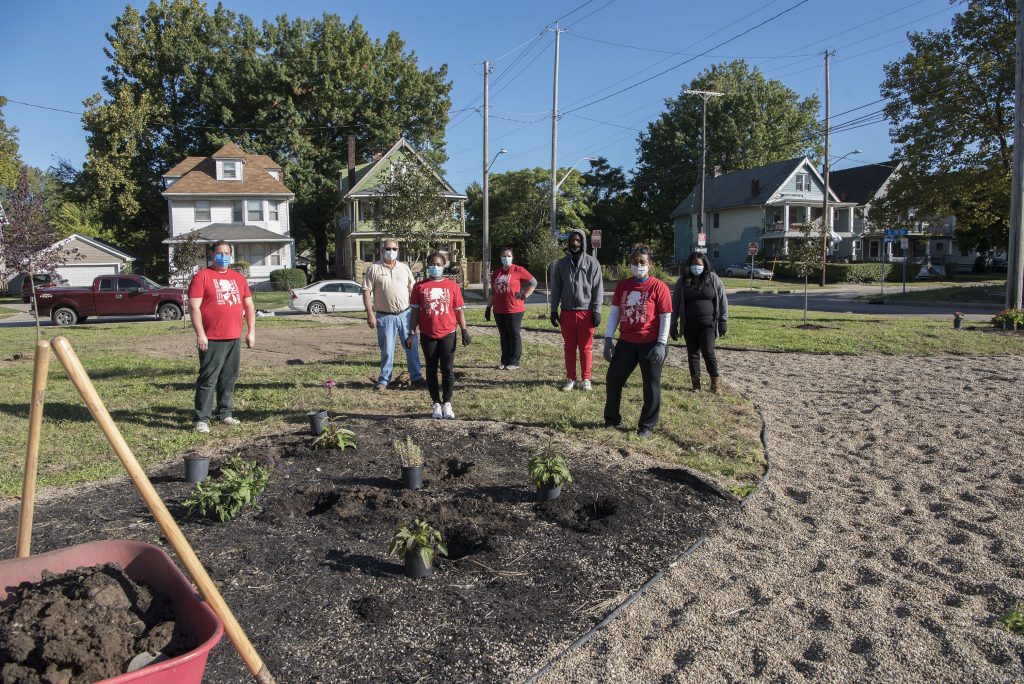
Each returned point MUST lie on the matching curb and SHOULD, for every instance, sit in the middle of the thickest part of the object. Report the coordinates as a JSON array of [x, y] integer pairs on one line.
[[690, 550]]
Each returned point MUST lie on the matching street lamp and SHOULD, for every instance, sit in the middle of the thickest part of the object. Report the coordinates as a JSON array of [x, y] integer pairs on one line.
[[554, 190], [856, 150], [825, 228], [486, 275]]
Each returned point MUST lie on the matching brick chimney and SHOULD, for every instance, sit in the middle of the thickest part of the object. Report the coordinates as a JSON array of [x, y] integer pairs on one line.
[[755, 188]]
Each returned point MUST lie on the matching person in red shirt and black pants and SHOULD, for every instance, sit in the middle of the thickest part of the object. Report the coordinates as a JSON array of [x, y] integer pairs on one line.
[[437, 307], [217, 298], [508, 301], [642, 311]]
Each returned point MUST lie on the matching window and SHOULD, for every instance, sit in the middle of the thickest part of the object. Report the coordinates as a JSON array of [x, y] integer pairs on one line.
[[366, 251], [272, 211], [803, 182], [351, 288], [237, 212], [127, 284], [714, 220], [229, 170], [714, 251], [202, 211], [254, 210], [856, 245], [367, 209], [107, 284], [331, 287], [274, 258]]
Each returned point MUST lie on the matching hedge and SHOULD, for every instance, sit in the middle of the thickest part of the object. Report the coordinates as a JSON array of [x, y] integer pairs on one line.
[[849, 273], [284, 279]]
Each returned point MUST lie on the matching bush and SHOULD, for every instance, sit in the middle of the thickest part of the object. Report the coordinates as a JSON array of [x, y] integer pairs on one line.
[[980, 264], [1009, 316], [284, 279], [849, 273], [621, 271], [242, 267]]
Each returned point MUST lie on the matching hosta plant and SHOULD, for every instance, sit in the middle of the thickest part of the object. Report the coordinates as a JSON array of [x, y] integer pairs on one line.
[[409, 452], [417, 537], [549, 469], [236, 487], [334, 437]]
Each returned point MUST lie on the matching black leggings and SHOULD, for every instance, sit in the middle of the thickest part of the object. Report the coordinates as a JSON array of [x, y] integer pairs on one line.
[[627, 356], [700, 340], [509, 326], [440, 352]]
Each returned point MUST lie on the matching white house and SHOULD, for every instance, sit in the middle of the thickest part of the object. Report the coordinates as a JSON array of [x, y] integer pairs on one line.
[[236, 197]]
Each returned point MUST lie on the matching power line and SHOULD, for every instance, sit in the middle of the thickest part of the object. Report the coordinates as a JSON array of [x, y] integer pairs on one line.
[[676, 52]]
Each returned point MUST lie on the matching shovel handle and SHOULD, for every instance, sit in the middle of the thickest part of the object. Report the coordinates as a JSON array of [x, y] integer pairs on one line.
[[35, 421]]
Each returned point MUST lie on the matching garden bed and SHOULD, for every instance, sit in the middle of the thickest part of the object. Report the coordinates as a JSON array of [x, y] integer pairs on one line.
[[309, 578]]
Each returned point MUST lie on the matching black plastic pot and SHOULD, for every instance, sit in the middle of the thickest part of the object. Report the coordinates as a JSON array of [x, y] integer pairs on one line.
[[548, 492], [316, 421], [196, 469], [412, 478], [415, 567], [958, 323]]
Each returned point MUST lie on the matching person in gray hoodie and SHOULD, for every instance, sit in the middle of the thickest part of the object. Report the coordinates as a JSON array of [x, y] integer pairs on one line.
[[700, 313], [577, 287]]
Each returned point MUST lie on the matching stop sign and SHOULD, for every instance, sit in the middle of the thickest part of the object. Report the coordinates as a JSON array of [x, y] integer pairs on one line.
[[702, 239], [752, 248]]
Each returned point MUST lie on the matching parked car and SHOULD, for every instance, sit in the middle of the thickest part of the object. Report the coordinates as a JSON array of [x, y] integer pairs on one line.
[[743, 271], [112, 295], [327, 295], [42, 280]]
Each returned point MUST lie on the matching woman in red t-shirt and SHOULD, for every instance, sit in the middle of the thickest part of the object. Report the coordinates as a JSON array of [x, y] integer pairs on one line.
[[437, 306], [508, 299], [642, 311]]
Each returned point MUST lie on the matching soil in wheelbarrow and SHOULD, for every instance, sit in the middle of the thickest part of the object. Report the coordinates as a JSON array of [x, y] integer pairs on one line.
[[83, 626], [309, 578]]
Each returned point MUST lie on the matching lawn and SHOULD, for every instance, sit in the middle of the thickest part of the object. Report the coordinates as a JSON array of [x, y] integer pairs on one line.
[[985, 293]]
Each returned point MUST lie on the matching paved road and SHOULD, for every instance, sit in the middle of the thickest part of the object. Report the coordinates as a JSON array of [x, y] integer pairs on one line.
[[846, 301]]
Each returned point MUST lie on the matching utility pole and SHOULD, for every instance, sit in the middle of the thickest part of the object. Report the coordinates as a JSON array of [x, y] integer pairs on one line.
[[554, 140], [1015, 272], [704, 95], [824, 201], [485, 274]]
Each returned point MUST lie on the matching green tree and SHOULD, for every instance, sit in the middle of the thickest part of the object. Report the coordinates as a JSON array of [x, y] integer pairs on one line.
[[805, 256], [10, 162], [757, 122], [616, 212], [950, 104], [412, 209]]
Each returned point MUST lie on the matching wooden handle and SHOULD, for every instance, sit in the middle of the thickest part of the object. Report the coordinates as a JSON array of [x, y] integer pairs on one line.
[[35, 422], [76, 372]]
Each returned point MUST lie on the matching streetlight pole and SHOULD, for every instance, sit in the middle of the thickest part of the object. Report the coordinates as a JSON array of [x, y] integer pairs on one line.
[[485, 274], [824, 201], [573, 168], [704, 95], [554, 140], [1015, 264]]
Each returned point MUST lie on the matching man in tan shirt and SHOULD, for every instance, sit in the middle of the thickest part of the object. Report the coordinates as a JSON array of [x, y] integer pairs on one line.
[[386, 287]]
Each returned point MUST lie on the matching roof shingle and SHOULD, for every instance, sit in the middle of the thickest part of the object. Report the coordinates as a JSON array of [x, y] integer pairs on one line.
[[199, 176]]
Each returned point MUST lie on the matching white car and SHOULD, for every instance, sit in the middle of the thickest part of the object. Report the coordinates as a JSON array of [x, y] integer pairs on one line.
[[326, 296]]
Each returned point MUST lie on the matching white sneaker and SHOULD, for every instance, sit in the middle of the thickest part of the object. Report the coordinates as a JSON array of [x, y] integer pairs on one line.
[[230, 421], [587, 386], [447, 410], [569, 384], [202, 426], [437, 412], [511, 367], [501, 367]]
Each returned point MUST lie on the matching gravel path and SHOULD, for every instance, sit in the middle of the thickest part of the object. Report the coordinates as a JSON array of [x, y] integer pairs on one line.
[[887, 541]]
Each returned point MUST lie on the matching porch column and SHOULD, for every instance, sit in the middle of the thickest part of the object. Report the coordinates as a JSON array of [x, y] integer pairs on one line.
[[785, 221], [851, 218]]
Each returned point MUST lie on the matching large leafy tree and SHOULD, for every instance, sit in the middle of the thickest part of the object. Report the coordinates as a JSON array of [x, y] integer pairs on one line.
[[615, 211], [10, 162], [412, 210], [950, 107], [182, 81], [757, 122]]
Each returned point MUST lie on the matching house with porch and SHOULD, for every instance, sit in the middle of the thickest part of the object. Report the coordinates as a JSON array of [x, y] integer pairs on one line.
[[767, 205], [237, 197], [359, 192]]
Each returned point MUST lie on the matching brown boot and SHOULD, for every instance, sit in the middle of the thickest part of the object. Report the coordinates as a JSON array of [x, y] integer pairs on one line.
[[695, 381], [716, 385]]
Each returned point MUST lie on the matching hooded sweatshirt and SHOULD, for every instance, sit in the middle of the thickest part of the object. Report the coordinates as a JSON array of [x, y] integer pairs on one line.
[[577, 283]]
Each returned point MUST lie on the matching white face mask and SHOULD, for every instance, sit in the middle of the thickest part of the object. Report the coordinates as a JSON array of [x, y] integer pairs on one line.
[[390, 254], [506, 261], [640, 270]]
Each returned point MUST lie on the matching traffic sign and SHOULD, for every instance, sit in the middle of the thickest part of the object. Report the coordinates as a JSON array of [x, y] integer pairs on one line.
[[905, 243], [702, 239], [896, 232], [752, 249], [595, 239]]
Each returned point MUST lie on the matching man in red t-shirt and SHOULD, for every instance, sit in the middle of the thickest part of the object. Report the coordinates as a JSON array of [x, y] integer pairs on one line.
[[217, 298]]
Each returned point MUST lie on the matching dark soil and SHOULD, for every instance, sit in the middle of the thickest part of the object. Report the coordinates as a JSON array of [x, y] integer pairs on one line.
[[83, 626], [309, 579]]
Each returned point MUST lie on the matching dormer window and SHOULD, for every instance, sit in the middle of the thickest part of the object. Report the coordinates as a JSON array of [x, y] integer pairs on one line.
[[229, 170]]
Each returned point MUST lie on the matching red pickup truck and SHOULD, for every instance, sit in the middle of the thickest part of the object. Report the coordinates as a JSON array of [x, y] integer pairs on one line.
[[113, 295]]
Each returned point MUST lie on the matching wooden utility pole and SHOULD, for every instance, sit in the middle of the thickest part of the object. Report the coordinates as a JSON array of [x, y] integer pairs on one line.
[[704, 96], [485, 275], [1015, 272], [554, 140], [824, 201]]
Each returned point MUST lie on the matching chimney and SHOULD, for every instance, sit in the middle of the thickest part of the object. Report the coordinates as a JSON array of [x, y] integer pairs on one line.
[[351, 161], [718, 170], [755, 188]]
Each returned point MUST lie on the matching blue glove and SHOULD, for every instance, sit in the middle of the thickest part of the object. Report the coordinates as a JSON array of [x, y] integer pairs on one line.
[[609, 349], [657, 354]]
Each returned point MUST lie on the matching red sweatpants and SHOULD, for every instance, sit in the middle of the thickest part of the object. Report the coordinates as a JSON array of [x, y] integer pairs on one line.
[[577, 333]]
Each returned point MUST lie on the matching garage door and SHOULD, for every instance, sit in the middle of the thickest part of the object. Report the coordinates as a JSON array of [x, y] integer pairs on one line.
[[82, 275]]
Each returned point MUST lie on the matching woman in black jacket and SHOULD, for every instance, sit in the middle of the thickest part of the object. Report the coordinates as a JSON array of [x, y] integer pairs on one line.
[[700, 312]]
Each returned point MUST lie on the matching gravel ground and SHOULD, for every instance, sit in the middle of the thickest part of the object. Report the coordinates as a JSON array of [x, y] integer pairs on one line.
[[888, 539]]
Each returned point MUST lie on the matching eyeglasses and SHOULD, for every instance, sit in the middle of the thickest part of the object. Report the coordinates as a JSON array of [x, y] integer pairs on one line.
[[641, 250]]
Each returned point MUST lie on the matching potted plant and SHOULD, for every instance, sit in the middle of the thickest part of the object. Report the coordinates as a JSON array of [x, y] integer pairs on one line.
[[317, 417], [549, 472], [1009, 319], [958, 320], [415, 542], [238, 485], [412, 463], [334, 437], [197, 466]]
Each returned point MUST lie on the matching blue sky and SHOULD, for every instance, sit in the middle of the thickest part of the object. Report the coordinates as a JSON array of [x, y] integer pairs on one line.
[[54, 58]]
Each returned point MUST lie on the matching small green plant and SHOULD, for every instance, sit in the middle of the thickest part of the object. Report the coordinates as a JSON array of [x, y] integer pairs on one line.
[[334, 437], [1014, 620], [548, 468], [237, 486], [1009, 316], [742, 490], [417, 537], [409, 452]]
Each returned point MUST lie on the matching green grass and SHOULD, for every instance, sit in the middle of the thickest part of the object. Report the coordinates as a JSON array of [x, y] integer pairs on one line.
[[980, 293], [270, 300], [150, 398]]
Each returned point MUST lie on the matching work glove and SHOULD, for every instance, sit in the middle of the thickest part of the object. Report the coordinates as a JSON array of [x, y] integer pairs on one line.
[[657, 354], [554, 317], [673, 330], [609, 349], [487, 313], [723, 326], [521, 295], [466, 339], [595, 318]]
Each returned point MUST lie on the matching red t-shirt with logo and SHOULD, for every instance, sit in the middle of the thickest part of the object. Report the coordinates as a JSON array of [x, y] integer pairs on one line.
[[505, 285], [223, 306], [640, 304], [437, 301]]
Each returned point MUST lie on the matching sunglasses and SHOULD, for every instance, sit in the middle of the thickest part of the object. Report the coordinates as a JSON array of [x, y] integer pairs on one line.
[[641, 250]]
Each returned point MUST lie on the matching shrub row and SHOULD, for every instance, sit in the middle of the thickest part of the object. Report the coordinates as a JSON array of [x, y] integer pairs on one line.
[[850, 273], [284, 279]]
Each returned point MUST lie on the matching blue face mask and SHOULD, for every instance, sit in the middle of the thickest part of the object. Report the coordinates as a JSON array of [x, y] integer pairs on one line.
[[222, 259], [696, 269], [435, 271], [506, 261]]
